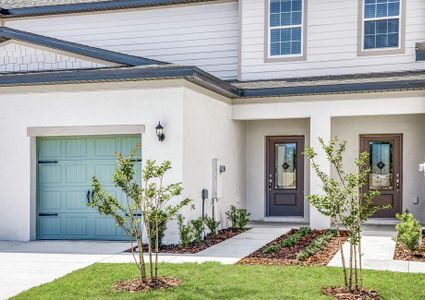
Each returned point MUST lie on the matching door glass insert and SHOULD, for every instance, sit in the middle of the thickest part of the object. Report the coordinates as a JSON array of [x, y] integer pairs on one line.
[[286, 166], [381, 163]]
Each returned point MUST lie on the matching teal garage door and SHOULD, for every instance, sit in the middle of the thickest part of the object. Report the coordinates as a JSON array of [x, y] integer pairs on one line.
[[65, 168]]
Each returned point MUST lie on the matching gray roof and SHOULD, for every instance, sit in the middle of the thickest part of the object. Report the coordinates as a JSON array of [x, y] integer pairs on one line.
[[16, 8], [362, 83], [7, 4]]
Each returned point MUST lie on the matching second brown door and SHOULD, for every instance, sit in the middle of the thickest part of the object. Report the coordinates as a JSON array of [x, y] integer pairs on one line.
[[385, 162]]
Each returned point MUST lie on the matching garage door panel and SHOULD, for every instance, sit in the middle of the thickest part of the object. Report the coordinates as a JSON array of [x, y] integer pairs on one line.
[[76, 226], [128, 144], [50, 200], [76, 174], [76, 148], [49, 174], [50, 226], [65, 168], [105, 147], [76, 200], [49, 148]]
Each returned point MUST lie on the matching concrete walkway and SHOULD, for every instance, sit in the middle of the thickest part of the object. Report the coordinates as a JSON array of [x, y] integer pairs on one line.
[[227, 252], [29, 264], [378, 250]]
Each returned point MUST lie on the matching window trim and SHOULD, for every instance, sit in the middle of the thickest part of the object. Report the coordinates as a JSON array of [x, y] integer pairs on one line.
[[267, 32], [381, 51]]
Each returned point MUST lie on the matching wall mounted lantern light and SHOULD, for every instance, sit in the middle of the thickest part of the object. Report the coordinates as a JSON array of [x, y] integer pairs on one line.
[[160, 132]]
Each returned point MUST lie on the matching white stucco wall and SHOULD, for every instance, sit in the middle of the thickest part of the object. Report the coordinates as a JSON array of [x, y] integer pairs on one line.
[[208, 133], [412, 127], [102, 106], [256, 131]]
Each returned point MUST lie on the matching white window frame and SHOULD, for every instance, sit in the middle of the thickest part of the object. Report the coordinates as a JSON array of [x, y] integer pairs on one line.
[[400, 32], [269, 30]]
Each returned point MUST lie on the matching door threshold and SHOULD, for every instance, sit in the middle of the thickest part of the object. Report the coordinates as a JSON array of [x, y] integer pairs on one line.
[[286, 219], [382, 221]]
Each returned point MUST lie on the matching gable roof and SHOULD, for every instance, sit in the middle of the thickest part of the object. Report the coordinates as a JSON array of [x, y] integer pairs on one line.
[[7, 33], [17, 8]]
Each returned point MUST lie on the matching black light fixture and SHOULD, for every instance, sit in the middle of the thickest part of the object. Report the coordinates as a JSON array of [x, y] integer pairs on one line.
[[160, 132]]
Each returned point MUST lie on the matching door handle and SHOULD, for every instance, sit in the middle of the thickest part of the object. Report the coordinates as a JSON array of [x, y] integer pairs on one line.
[[270, 183], [88, 197], [92, 195]]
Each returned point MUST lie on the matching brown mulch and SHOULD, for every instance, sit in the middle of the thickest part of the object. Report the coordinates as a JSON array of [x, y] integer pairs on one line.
[[402, 253], [340, 293], [209, 241], [137, 285], [287, 256]]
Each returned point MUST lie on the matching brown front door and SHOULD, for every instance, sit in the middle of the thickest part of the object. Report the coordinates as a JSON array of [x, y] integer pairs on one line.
[[285, 176], [385, 161]]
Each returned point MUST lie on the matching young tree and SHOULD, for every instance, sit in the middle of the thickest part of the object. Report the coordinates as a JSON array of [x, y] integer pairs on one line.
[[145, 207], [344, 201]]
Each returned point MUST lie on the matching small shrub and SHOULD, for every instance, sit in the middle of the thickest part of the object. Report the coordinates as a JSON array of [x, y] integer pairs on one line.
[[185, 232], [294, 238], [288, 242], [232, 216], [162, 227], [212, 225], [271, 249], [198, 230], [238, 217], [316, 245], [408, 230], [243, 218]]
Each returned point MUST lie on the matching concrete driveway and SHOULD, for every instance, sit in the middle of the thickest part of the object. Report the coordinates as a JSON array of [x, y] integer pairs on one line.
[[24, 265]]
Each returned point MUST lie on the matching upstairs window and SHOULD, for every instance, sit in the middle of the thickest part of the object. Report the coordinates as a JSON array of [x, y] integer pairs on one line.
[[381, 24], [286, 22]]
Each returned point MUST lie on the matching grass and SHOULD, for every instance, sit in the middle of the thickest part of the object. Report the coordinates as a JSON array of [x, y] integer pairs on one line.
[[216, 281]]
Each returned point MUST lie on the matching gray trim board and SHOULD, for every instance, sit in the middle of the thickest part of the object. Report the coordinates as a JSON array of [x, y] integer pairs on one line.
[[7, 33], [90, 6]]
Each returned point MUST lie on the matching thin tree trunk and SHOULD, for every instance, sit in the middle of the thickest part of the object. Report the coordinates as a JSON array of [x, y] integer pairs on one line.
[[350, 277], [344, 268], [156, 245], [356, 282], [360, 263]]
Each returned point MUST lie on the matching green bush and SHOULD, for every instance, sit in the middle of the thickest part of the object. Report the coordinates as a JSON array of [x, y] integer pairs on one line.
[[317, 244], [294, 238], [162, 226], [212, 225], [408, 230], [198, 230], [238, 217], [288, 242], [185, 232]]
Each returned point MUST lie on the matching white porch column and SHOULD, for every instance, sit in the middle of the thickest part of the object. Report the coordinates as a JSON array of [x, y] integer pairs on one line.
[[320, 126]]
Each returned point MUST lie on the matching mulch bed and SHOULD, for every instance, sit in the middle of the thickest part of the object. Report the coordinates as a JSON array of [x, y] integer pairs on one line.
[[402, 253], [137, 285], [288, 256], [340, 293], [209, 241]]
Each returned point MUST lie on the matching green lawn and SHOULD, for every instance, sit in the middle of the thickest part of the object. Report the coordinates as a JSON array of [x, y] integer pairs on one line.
[[216, 281]]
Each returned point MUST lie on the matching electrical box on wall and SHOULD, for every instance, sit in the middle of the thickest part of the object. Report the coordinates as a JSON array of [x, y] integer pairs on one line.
[[422, 168]]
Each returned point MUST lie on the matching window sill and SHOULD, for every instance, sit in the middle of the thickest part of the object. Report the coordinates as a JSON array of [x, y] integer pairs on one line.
[[380, 52]]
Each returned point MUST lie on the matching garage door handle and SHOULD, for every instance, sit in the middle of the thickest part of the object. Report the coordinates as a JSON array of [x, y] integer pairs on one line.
[[48, 214]]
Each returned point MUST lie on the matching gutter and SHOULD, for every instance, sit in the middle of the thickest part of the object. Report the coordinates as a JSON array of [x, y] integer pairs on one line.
[[88, 7]]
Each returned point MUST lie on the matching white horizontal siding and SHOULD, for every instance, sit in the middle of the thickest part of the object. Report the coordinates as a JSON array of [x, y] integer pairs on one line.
[[205, 35], [331, 42]]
